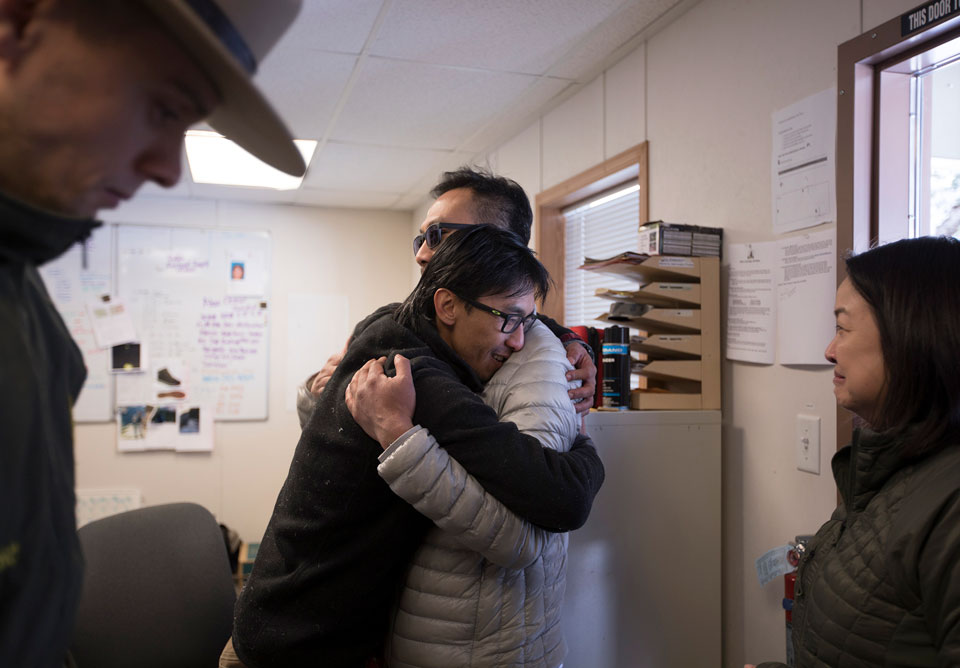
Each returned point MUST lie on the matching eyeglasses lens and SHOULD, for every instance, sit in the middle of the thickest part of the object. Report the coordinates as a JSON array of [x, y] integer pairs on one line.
[[431, 237], [514, 321]]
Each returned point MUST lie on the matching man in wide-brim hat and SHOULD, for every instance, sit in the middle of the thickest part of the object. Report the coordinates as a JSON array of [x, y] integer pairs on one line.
[[95, 96]]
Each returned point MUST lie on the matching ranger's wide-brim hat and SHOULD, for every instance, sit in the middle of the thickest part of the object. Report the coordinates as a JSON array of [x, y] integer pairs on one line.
[[228, 39]]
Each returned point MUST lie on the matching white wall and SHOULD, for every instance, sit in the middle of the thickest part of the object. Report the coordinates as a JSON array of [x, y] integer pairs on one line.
[[702, 92], [364, 255]]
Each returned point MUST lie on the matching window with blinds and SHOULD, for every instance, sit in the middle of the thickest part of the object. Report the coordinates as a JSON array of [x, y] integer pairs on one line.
[[600, 227]]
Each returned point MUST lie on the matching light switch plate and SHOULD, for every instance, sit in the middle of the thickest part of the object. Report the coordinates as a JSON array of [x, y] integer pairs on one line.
[[808, 443]]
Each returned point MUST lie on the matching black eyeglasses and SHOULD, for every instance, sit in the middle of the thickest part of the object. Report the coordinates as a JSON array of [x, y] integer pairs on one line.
[[434, 235], [511, 321]]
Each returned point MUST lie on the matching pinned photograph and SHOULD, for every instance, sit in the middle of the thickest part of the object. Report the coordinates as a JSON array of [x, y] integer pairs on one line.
[[127, 358], [247, 271], [171, 380], [133, 422], [190, 421], [164, 415]]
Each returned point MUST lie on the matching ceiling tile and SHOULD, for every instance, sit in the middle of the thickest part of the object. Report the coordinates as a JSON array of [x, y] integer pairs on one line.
[[443, 81], [332, 25], [407, 104], [347, 199], [503, 35], [305, 86], [374, 168], [588, 57]]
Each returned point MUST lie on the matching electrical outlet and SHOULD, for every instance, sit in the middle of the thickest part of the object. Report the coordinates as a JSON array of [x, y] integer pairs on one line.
[[808, 443]]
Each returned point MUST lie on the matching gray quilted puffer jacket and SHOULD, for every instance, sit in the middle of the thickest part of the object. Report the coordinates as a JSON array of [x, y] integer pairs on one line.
[[486, 588], [880, 582]]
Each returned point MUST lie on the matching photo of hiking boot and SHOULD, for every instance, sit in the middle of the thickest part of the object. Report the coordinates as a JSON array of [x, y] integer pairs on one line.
[[163, 375]]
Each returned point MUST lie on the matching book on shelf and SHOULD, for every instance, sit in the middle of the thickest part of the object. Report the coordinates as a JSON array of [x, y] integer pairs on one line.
[[660, 238]]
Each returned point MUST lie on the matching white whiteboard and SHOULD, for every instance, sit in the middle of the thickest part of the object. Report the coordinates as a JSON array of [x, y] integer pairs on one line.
[[72, 283], [179, 286]]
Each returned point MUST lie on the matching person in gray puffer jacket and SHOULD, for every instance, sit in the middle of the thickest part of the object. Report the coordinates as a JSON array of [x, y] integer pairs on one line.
[[499, 600], [879, 585], [486, 587]]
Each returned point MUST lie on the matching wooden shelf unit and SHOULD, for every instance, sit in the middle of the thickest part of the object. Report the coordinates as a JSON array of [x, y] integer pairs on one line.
[[682, 330]]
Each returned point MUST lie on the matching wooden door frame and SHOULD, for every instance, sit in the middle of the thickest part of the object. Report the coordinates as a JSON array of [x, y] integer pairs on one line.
[[860, 62]]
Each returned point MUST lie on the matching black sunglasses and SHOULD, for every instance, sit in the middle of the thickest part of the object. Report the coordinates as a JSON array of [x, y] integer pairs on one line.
[[511, 321], [434, 235]]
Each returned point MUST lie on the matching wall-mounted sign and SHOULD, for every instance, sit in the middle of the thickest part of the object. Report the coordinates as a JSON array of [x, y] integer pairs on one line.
[[928, 14]]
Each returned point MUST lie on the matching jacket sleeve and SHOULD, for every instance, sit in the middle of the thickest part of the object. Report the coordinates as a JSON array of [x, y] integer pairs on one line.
[[938, 569], [530, 391], [422, 473], [923, 555], [553, 490], [566, 336]]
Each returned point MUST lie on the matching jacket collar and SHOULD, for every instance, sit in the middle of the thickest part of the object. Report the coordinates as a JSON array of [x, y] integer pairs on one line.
[[35, 236], [427, 332], [862, 468]]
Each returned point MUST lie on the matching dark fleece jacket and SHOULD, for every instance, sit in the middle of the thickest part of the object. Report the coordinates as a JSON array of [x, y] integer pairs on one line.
[[41, 374], [339, 540]]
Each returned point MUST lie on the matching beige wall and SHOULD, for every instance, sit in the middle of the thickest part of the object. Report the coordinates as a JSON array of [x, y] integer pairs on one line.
[[360, 254], [702, 92]]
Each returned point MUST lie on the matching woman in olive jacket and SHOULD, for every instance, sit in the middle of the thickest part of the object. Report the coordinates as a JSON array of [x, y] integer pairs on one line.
[[879, 585]]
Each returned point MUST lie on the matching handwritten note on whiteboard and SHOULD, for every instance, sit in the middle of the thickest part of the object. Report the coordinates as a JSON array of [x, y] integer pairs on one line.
[[232, 336], [179, 284]]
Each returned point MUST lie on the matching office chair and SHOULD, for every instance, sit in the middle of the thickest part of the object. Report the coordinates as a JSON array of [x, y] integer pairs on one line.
[[157, 590]]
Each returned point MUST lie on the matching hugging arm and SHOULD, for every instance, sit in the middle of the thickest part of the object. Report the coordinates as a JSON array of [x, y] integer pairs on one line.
[[550, 489], [583, 359], [422, 473]]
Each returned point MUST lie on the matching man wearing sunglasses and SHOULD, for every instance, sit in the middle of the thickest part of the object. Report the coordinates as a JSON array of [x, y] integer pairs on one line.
[[340, 540], [467, 197], [482, 568]]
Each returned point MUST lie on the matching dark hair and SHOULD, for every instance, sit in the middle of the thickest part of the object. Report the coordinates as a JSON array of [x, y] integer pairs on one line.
[[499, 201], [913, 288], [476, 262]]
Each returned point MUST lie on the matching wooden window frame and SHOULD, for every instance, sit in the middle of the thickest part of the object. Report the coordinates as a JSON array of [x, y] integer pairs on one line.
[[628, 166]]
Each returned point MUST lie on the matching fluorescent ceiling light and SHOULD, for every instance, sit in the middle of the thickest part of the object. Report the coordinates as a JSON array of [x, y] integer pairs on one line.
[[215, 159]]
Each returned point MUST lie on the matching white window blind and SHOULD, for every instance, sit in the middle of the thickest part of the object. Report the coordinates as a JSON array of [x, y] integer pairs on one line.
[[599, 228]]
